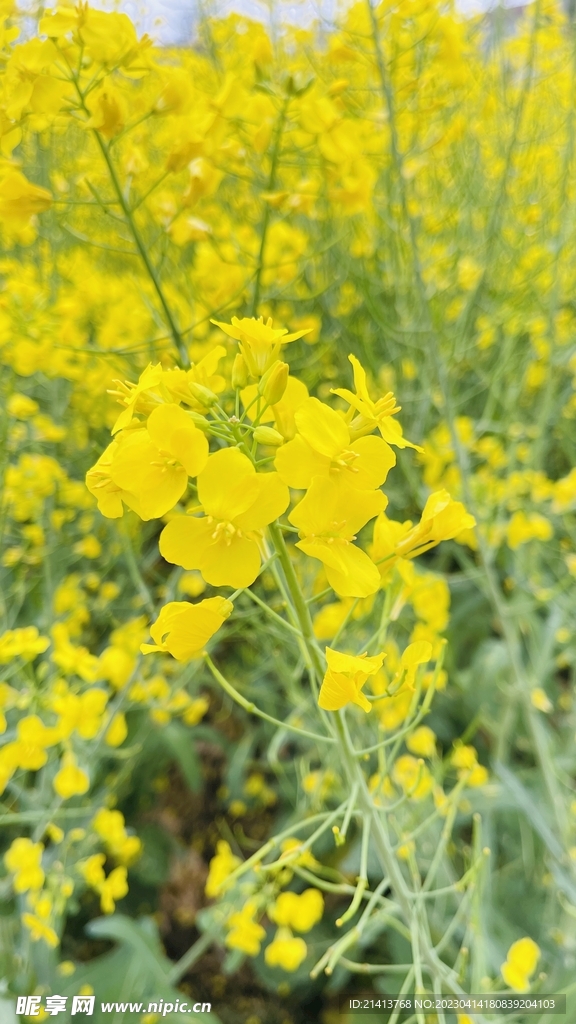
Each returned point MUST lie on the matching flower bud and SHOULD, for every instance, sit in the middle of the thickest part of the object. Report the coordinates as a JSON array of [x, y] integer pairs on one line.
[[239, 372], [267, 435], [273, 384], [198, 420], [202, 394]]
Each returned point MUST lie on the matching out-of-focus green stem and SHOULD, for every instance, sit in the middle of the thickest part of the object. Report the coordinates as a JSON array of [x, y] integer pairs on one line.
[[135, 232], [269, 188], [252, 708]]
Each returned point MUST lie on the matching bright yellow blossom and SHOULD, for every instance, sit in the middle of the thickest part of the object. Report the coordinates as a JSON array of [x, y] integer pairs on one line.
[[39, 929], [183, 629], [70, 780], [148, 468], [260, 342], [117, 731], [24, 859], [344, 679], [413, 777], [524, 527], [372, 414], [422, 742], [245, 933], [238, 503], [20, 200], [285, 951], [222, 864], [521, 961], [298, 911], [328, 519], [322, 447], [22, 643], [113, 888]]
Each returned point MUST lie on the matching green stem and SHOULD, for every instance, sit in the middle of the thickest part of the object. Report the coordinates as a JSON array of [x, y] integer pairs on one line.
[[135, 232], [252, 709], [269, 188]]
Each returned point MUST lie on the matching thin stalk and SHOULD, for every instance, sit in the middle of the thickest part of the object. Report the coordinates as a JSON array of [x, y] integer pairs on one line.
[[252, 709], [135, 232], [269, 188]]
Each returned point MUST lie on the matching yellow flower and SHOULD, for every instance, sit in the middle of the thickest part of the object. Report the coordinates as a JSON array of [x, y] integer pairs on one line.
[[24, 859], [93, 869], [259, 342], [107, 109], [79, 712], [520, 964], [70, 780], [344, 679], [285, 951], [32, 739], [183, 629], [23, 643], [540, 700], [117, 730], [109, 825], [195, 711], [422, 742], [412, 776], [238, 503], [21, 406], [372, 414], [524, 527], [245, 933], [328, 519], [134, 396], [298, 911], [464, 757], [40, 930], [20, 200], [414, 655], [148, 468], [113, 888], [322, 447], [222, 864], [442, 519], [89, 547], [54, 832]]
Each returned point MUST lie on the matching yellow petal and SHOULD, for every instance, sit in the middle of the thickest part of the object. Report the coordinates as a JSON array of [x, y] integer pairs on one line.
[[231, 564], [227, 487], [524, 954], [272, 499], [374, 462], [336, 691], [323, 429], [172, 430], [297, 463], [184, 629], [351, 663], [361, 577], [184, 540], [416, 654]]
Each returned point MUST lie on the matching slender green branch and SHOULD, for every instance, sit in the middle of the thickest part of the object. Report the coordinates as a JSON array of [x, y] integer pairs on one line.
[[252, 709]]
